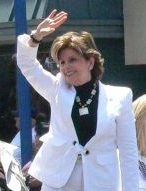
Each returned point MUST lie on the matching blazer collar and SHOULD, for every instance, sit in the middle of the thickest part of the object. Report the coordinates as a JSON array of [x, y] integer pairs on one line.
[[102, 111]]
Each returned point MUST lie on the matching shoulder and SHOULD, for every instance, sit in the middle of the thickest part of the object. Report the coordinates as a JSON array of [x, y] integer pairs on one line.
[[117, 89], [117, 92], [120, 91]]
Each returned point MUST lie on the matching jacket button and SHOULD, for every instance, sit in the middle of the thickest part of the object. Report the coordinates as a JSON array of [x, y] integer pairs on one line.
[[87, 152], [74, 142]]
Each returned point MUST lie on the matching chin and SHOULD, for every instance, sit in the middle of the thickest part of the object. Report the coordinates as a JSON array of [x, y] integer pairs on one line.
[[69, 81], [72, 83]]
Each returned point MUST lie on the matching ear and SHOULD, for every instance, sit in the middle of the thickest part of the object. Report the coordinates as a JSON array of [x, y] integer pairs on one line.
[[91, 63]]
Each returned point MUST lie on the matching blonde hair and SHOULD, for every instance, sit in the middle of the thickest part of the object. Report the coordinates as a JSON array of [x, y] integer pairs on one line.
[[83, 43], [139, 106]]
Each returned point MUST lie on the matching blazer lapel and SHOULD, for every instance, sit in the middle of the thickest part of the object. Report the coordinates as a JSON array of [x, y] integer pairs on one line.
[[66, 108], [102, 111], [102, 107]]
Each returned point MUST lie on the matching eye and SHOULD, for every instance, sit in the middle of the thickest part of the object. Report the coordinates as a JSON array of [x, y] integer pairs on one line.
[[72, 60]]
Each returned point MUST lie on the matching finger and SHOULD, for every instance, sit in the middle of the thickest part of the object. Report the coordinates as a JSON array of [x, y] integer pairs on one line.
[[60, 17], [52, 13], [58, 22], [60, 14]]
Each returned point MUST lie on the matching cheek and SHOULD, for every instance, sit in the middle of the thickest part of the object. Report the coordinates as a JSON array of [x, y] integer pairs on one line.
[[84, 69], [61, 70]]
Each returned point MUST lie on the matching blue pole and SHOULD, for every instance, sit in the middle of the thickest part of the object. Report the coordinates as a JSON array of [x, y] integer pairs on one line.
[[23, 89]]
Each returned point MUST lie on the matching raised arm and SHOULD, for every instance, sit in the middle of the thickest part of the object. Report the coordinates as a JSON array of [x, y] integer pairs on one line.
[[41, 80]]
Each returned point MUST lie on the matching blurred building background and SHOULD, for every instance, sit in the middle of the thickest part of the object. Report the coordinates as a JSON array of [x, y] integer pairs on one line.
[[115, 25]]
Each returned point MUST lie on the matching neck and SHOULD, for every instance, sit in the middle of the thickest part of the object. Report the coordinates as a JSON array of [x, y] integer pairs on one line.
[[85, 82], [82, 82]]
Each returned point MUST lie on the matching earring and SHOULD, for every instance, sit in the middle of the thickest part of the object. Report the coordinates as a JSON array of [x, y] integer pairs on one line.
[[90, 68]]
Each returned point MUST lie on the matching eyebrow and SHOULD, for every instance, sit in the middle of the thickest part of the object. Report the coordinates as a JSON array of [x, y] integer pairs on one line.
[[72, 56]]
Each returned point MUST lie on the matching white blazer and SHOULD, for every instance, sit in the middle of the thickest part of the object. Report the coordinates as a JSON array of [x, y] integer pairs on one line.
[[55, 160]]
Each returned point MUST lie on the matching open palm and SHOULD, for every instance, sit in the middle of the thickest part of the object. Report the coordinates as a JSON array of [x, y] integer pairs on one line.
[[49, 24]]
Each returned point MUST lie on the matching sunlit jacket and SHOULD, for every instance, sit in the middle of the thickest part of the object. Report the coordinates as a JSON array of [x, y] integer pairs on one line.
[[56, 159]]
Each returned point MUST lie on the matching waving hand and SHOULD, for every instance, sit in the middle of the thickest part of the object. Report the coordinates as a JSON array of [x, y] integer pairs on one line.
[[50, 24]]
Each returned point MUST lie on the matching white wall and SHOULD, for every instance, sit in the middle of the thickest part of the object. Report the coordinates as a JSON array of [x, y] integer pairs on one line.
[[135, 31]]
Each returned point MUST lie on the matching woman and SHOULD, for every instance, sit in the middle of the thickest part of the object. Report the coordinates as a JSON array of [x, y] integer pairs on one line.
[[89, 120], [139, 106]]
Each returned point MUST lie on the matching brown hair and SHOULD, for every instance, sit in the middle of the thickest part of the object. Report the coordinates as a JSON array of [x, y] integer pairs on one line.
[[83, 43], [139, 106]]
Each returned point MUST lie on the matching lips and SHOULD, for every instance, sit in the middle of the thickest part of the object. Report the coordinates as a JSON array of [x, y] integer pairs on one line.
[[68, 74]]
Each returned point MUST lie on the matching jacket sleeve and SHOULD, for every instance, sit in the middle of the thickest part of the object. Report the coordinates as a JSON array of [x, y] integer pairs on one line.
[[41, 80], [127, 143]]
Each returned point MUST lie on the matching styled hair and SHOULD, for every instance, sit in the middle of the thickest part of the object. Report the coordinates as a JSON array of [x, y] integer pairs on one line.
[[83, 43], [139, 106]]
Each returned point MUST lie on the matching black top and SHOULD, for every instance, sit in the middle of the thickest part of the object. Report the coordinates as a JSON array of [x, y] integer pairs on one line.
[[85, 125]]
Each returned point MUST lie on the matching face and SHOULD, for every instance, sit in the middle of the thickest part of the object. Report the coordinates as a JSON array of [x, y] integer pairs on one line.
[[74, 67]]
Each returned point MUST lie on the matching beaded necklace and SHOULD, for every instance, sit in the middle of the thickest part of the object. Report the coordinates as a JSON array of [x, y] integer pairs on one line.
[[83, 110], [142, 168]]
